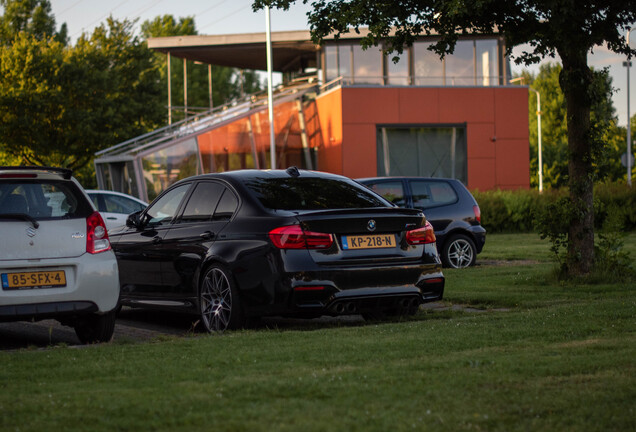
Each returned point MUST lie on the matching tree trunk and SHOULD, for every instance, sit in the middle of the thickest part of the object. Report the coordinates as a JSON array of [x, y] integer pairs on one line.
[[575, 80]]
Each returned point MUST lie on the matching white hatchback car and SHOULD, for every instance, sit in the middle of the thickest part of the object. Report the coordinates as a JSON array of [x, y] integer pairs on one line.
[[115, 206], [55, 255]]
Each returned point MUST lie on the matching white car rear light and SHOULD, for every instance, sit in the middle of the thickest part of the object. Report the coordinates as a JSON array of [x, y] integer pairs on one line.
[[96, 235]]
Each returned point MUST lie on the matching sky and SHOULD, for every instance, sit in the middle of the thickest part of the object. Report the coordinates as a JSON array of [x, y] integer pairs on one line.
[[215, 17]]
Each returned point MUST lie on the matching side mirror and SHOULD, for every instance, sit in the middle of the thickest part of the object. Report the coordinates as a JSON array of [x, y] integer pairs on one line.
[[134, 220]]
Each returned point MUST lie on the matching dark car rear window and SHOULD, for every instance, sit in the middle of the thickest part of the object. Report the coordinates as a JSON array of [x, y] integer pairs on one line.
[[297, 193], [42, 199]]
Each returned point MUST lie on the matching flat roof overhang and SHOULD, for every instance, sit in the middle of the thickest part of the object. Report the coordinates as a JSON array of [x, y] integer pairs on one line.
[[244, 51]]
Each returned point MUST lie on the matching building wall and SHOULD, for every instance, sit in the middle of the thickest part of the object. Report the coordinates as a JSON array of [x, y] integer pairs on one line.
[[496, 121]]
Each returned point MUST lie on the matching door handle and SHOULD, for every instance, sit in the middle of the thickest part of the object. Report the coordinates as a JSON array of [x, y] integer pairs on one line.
[[207, 235]]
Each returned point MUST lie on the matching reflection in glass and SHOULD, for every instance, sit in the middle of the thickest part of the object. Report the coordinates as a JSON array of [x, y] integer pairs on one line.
[[165, 208], [423, 151], [304, 193], [344, 62], [331, 62], [367, 65], [429, 68], [165, 167], [486, 57], [398, 73], [460, 66]]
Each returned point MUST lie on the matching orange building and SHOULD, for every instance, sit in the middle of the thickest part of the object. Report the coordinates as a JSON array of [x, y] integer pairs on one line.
[[343, 110]]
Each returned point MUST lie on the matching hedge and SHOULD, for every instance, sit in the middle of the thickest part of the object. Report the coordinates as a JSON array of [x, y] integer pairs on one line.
[[515, 211]]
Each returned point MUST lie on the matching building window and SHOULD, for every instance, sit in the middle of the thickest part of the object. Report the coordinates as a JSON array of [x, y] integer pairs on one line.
[[426, 151], [398, 73], [428, 68], [460, 66], [474, 62], [487, 64], [344, 62], [367, 65], [331, 62]]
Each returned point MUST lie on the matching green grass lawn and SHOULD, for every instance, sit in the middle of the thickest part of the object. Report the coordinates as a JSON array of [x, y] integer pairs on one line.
[[538, 356]]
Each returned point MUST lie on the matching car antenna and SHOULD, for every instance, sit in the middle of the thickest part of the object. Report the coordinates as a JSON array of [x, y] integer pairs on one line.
[[293, 171]]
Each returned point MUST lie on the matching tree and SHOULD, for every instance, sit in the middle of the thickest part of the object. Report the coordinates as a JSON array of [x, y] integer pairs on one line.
[[226, 82], [568, 28], [31, 16], [59, 105], [554, 127]]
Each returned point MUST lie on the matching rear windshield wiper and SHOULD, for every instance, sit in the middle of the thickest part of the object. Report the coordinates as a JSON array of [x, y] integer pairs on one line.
[[21, 216]]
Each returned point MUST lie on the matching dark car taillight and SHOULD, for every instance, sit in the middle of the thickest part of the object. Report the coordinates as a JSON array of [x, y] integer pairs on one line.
[[477, 213], [294, 237], [96, 235], [422, 235]]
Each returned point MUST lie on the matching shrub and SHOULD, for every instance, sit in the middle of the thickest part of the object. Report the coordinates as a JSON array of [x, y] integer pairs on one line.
[[518, 210]]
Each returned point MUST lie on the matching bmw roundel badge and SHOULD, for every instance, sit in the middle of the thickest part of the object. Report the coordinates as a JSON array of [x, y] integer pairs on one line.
[[371, 225]]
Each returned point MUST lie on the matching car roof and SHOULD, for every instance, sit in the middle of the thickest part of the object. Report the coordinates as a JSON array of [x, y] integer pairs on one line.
[[365, 179], [109, 192], [249, 174], [43, 172]]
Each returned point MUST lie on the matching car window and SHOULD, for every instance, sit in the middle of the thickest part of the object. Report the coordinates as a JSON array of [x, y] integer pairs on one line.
[[95, 199], [50, 199], [120, 204], [431, 194], [164, 209], [310, 193], [227, 206], [202, 202], [392, 191]]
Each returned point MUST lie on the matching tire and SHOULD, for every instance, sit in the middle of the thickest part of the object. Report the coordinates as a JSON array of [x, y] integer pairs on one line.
[[459, 252], [96, 328], [219, 303]]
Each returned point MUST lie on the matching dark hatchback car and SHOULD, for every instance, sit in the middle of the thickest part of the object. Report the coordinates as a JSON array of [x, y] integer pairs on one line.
[[448, 206], [250, 243]]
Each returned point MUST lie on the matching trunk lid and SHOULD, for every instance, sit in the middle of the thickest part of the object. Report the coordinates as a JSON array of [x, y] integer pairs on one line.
[[371, 235], [52, 239]]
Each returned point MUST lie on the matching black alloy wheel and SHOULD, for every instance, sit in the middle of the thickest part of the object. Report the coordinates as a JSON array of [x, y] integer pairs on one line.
[[218, 301], [459, 252]]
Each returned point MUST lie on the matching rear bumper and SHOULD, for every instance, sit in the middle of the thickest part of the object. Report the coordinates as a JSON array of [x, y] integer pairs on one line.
[[92, 285], [296, 285], [479, 234], [40, 311], [327, 299]]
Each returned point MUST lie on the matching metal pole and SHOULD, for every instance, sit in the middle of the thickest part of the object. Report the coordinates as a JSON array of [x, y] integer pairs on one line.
[[270, 99], [169, 93], [210, 85], [185, 89], [539, 141], [629, 128]]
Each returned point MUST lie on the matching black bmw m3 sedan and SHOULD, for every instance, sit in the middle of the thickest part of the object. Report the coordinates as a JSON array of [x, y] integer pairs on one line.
[[232, 246]]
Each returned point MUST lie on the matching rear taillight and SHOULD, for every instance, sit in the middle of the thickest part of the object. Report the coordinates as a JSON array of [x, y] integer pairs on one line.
[[96, 235], [422, 235], [477, 213], [294, 237]]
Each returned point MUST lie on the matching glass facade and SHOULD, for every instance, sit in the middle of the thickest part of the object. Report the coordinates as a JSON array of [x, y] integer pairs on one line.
[[486, 60], [398, 73], [164, 167], [426, 151], [367, 65], [474, 62], [460, 66]]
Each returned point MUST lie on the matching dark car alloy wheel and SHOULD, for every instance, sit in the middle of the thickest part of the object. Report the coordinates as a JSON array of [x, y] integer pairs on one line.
[[219, 301], [459, 252]]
